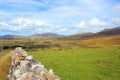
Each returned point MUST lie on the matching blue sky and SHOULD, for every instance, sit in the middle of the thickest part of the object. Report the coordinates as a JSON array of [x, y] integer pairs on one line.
[[66, 17]]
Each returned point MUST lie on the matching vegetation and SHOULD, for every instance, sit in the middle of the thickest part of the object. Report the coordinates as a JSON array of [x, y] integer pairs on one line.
[[83, 63], [4, 66], [33, 44], [103, 42], [51, 43], [93, 59]]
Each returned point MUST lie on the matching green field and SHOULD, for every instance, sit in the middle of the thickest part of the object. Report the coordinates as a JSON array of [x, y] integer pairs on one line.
[[83, 63], [70, 59]]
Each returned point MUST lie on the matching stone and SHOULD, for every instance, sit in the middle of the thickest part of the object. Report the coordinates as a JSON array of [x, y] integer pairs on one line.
[[31, 75], [29, 57], [17, 73], [24, 67], [51, 72]]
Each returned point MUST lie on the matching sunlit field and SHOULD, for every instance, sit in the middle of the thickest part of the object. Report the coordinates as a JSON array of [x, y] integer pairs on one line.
[[70, 59], [83, 63]]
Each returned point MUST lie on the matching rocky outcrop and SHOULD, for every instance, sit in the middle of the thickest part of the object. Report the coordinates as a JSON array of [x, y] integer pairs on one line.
[[24, 67]]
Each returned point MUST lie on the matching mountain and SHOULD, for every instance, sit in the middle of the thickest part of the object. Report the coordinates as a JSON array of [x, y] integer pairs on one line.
[[83, 36], [8, 37], [11, 37], [46, 35], [103, 33], [110, 31]]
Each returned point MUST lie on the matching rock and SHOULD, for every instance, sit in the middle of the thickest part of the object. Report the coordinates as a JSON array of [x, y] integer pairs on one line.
[[51, 72], [29, 58], [19, 51], [24, 67]]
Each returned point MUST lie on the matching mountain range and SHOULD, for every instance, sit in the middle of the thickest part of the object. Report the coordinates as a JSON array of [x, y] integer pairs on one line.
[[43, 35], [82, 36]]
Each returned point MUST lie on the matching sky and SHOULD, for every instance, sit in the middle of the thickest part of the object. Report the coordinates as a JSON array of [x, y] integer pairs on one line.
[[65, 17]]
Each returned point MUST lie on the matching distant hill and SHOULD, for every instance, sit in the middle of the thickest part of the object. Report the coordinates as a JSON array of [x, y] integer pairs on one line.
[[46, 35], [83, 36], [43, 35], [78, 36], [10, 37], [7, 37], [103, 33], [110, 31]]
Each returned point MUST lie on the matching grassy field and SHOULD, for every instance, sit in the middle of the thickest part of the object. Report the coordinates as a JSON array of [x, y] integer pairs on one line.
[[71, 59], [103, 42], [75, 64], [55, 43], [83, 63]]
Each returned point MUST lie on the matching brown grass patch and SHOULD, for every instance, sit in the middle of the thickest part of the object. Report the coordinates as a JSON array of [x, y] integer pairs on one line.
[[4, 66]]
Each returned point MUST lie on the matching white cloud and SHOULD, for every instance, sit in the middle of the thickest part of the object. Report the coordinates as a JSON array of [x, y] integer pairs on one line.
[[20, 24], [31, 25], [39, 23], [3, 26], [94, 22], [97, 23], [63, 29], [82, 24]]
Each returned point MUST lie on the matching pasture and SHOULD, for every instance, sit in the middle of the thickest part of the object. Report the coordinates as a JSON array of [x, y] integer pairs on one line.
[[83, 63]]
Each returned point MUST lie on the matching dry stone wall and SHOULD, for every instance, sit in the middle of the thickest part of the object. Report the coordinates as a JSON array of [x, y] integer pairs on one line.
[[24, 67]]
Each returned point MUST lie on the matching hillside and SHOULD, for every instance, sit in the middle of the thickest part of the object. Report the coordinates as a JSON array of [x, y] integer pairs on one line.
[[11, 37], [111, 31], [103, 33], [7, 37], [46, 35], [43, 35], [108, 32], [103, 41]]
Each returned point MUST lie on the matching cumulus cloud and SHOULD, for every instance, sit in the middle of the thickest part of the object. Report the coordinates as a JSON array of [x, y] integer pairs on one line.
[[39, 23], [20, 24], [31, 25], [97, 23], [3, 26], [94, 22]]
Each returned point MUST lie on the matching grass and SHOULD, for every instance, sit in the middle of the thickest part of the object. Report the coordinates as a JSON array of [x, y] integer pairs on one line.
[[104, 41], [55, 43], [4, 66], [83, 63], [73, 61]]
